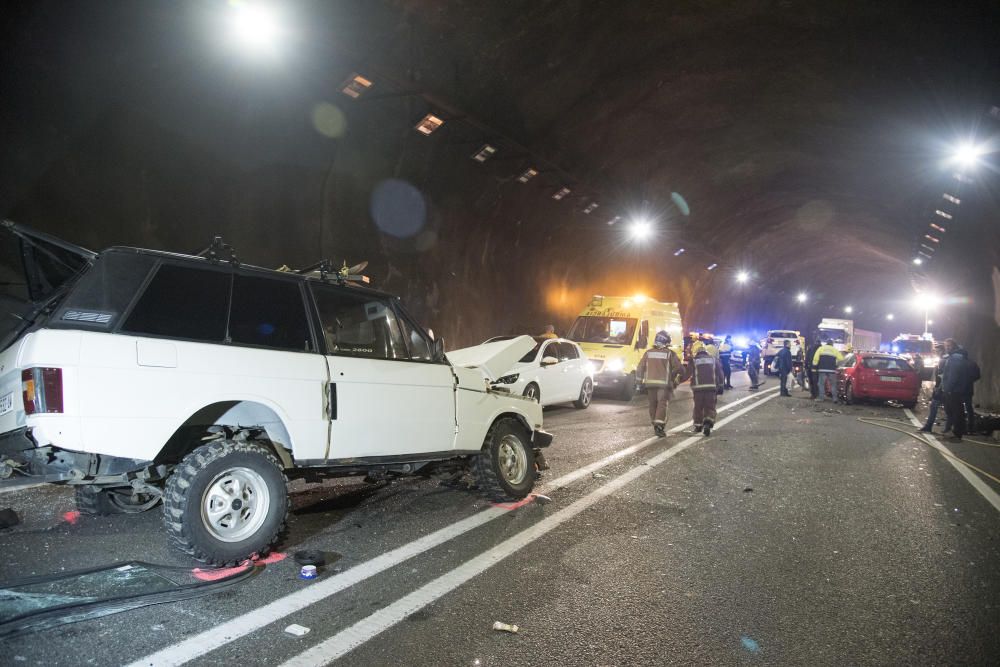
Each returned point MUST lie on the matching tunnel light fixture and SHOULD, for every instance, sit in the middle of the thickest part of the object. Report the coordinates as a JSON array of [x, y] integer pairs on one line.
[[938, 227], [614, 221], [742, 276], [591, 207], [678, 252], [967, 154], [890, 317], [924, 254], [640, 229], [561, 193], [943, 214], [528, 174], [712, 267], [952, 198], [801, 297], [428, 124], [933, 239], [484, 153], [848, 309], [918, 261], [355, 86]]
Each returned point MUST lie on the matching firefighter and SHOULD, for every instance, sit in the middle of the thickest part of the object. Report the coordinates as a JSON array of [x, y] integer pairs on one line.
[[706, 384], [550, 332], [752, 359], [661, 370], [726, 356]]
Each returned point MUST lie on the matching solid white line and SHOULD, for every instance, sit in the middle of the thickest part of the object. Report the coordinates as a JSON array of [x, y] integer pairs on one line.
[[240, 626], [347, 640], [970, 476]]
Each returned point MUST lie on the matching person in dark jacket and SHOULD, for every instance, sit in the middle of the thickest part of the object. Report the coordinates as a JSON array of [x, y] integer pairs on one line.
[[937, 396], [955, 384], [810, 370], [752, 361], [783, 361], [726, 357]]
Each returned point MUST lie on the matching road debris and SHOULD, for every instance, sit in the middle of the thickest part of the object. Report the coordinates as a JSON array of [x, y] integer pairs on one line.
[[542, 499], [297, 630], [504, 627], [8, 518]]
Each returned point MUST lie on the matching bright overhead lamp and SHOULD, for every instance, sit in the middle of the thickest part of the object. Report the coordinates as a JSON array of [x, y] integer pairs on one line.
[[967, 155], [255, 27], [678, 252], [614, 220], [801, 297], [742, 277], [918, 261], [943, 214], [528, 174], [848, 309], [938, 227], [890, 317], [484, 153], [932, 238], [560, 193], [712, 267], [591, 207], [355, 86], [640, 230], [428, 124], [952, 198]]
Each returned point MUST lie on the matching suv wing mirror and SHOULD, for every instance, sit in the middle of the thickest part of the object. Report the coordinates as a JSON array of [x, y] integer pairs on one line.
[[549, 361], [437, 351]]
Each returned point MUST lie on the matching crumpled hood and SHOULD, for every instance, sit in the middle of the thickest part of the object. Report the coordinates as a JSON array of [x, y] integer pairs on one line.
[[492, 359]]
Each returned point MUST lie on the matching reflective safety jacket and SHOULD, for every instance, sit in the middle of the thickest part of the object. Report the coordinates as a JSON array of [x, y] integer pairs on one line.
[[706, 372], [725, 350], [660, 367], [826, 358]]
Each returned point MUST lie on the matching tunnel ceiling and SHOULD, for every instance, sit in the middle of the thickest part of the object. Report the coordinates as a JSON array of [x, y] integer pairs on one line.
[[806, 139]]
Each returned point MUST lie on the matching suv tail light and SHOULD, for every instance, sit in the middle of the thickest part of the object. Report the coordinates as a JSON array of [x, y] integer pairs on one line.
[[41, 389]]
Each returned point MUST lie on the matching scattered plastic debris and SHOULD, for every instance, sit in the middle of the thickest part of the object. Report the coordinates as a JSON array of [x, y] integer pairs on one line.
[[598, 475], [542, 499], [749, 489], [749, 644], [297, 630], [71, 517], [504, 627], [308, 572]]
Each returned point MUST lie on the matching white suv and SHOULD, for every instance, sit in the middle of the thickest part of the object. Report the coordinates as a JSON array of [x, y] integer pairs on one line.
[[775, 341], [142, 376]]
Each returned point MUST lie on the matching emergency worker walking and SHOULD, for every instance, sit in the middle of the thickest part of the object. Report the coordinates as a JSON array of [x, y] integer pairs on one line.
[[753, 363], [706, 383], [550, 332], [726, 357], [783, 361], [661, 370], [825, 361]]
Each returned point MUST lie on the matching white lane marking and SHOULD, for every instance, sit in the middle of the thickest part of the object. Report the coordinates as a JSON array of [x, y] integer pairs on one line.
[[240, 626], [350, 638], [970, 476]]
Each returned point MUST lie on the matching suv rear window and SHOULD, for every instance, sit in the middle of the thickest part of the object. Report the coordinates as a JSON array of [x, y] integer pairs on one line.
[[270, 313], [183, 302], [783, 334]]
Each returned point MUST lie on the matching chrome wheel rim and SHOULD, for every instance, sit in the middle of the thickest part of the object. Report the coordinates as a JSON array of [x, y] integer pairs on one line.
[[587, 392], [513, 459], [235, 504]]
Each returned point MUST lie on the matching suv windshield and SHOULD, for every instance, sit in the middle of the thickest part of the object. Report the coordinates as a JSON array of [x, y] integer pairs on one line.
[[34, 272], [592, 329]]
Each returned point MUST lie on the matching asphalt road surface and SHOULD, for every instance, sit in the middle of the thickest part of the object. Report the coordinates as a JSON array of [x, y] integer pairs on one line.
[[793, 535]]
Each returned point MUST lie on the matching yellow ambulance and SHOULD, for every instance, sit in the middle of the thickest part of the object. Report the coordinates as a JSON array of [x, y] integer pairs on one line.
[[615, 331]]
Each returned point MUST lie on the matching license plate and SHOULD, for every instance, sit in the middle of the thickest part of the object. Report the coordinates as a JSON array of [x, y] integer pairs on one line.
[[890, 378], [6, 403]]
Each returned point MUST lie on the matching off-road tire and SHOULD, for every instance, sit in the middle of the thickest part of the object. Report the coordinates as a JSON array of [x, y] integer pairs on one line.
[[184, 494], [586, 395], [486, 468], [97, 501]]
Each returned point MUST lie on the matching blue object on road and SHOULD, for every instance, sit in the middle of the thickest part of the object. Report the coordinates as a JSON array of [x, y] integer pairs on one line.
[[749, 644]]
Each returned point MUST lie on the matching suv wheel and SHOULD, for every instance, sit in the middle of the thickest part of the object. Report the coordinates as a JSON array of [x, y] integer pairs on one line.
[[226, 502], [98, 501], [505, 468], [586, 393]]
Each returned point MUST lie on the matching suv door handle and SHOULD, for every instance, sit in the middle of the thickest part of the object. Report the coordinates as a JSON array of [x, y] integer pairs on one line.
[[331, 404]]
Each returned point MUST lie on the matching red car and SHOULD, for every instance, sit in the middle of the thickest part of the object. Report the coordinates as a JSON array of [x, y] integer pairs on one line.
[[880, 377]]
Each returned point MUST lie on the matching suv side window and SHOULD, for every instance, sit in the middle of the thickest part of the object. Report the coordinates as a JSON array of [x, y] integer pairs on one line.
[[358, 325], [183, 302], [270, 313], [421, 348]]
